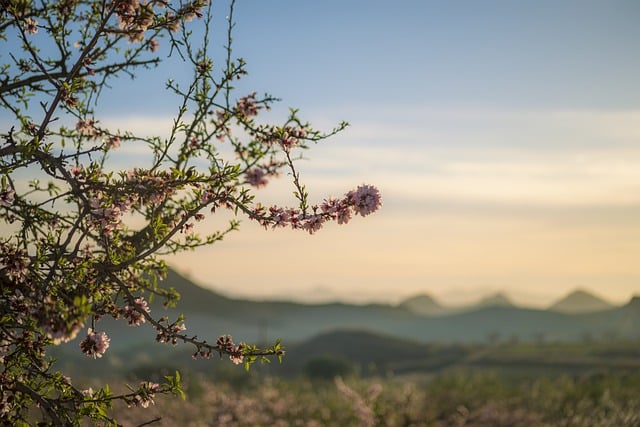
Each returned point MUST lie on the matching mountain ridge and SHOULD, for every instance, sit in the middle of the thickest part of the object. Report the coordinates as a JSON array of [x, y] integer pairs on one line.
[[261, 321], [580, 301]]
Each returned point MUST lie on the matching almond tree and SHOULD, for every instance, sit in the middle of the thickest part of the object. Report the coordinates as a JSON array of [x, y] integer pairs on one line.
[[82, 239]]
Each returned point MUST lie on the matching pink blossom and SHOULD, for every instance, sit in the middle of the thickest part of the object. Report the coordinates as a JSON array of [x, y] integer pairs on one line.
[[339, 210], [291, 137], [145, 394], [108, 219], [225, 343], [7, 196], [207, 197], [95, 344], [112, 142], [280, 217], [169, 333], [236, 355], [31, 25], [59, 333], [87, 127], [173, 23], [330, 206], [313, 224], [256, 177], [15, 262], [247, 107], [153, 45], [134, 313], [295, 218], [193, 143], [365, 199], [77, 171]]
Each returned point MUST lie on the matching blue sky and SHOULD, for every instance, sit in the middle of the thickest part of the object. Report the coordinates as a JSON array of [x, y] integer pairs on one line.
[[501, 54], [503, 134]]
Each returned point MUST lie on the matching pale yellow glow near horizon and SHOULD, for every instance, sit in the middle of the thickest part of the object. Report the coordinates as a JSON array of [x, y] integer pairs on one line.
[[386, 261]]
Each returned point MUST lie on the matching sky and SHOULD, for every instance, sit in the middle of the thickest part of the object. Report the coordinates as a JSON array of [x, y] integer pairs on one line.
[[502, 135]]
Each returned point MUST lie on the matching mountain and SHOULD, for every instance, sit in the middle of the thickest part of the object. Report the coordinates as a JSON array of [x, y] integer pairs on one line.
[[376, 336], [633, 304], [209, 315], [580, 301], [495, 300], [422, 304]]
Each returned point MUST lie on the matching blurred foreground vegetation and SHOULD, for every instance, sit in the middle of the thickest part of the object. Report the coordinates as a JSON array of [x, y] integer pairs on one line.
[[450, 399], [508, 385]]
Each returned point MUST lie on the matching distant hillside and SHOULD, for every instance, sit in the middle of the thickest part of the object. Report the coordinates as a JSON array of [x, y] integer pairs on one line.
[[426, 305], [495, 300], [372, 353], [376, 354], [633, 304], [209, 314], [377, 337], [580, 301], [422, 304]]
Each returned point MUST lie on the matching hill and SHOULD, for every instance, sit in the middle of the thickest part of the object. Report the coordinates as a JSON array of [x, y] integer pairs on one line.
[[580, 301], [371, 353], [422, 304], [494, 318], [384, 355], [498, 299], [209, 315], [375, 337]]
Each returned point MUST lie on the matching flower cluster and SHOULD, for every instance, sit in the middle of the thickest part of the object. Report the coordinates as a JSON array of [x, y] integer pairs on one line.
[[135, 17], [150, 187], [67, 96], [88, 128], [288, 137], [169, 332], [134, 313], [7, 196], [107, 218], [225, 345], [112, 142], [95, 344], [153, 44], [31, 25], [256, 177], [247, 107], [338, 210], [144, 395], [14, 262], [364, 200], [57, 329]]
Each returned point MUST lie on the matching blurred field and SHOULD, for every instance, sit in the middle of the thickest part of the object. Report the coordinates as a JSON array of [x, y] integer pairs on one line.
[[586, 384], [457, 398], [378, 365]]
